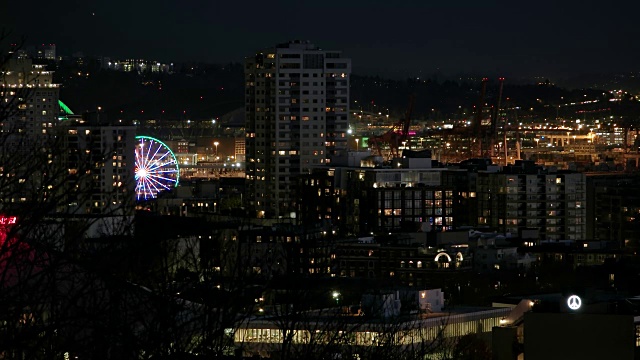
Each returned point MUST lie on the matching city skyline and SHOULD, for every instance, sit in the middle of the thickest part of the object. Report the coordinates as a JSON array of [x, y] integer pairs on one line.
[[233, 182], [405, 39]]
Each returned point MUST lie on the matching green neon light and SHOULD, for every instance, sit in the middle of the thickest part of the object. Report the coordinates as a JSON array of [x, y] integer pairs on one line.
[[171, 151], [64, 108]]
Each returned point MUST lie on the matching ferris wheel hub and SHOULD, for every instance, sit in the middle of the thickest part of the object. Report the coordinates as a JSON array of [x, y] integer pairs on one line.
[[156, 168]]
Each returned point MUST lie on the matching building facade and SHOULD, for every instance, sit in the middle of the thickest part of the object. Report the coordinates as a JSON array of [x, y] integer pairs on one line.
[[526, 196], [407, 261], [297, 117], [360, 201], [30, 103], [614, 208], [29, 111], [100, 159]]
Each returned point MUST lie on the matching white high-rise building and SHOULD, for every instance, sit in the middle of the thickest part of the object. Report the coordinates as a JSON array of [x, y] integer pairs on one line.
[[297, 117], [29, 112], [30, 103]]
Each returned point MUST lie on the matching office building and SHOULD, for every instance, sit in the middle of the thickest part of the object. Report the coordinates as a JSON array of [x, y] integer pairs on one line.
[[297, 110]]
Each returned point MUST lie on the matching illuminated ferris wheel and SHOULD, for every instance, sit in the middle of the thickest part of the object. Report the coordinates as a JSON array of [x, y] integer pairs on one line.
[[156, 168]]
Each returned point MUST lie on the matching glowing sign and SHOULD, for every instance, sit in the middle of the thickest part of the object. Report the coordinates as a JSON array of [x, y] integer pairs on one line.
[[574, 302], [6, 220]]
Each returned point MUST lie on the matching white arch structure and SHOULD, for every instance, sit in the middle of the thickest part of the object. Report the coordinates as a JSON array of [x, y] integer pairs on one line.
[[443, 254]]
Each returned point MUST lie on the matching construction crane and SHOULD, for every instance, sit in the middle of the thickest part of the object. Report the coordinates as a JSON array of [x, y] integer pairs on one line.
[[398, 133], [407, 118]]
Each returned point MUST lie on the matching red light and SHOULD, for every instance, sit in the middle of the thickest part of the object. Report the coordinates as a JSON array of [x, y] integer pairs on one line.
[[7, 220]]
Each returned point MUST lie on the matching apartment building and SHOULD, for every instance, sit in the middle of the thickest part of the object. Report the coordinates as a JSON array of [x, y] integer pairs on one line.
[[297, 117], [527, 196]]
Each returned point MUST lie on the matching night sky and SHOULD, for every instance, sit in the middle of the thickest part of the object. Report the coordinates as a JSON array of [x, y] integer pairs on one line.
[[391, 38]]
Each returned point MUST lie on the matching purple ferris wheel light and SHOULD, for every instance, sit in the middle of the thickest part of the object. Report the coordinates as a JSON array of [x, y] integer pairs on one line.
[[156, 168]]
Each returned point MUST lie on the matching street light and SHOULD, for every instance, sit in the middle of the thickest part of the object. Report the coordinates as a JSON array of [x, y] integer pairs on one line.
[[216, 145], [336, 296], [357, 141]]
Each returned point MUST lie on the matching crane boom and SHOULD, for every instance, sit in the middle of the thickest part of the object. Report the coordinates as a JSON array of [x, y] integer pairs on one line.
[[399, 132], [407, 118]]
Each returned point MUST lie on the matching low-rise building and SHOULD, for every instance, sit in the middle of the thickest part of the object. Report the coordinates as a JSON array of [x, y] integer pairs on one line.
[[409, 261], [492, 258], [338, 335]]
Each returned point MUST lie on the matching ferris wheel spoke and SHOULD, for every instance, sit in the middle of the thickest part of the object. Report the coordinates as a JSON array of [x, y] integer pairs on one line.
[[142, 191], [148, 188], [156, 168], [166, 171], [157, 161], [154, 155], [140, 158], [147, 158], [160, 165], [154, 181], [151, 183], [156, 177]]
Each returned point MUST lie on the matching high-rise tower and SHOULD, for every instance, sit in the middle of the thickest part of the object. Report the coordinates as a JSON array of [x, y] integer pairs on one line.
[[297, 117], [30, 106]]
